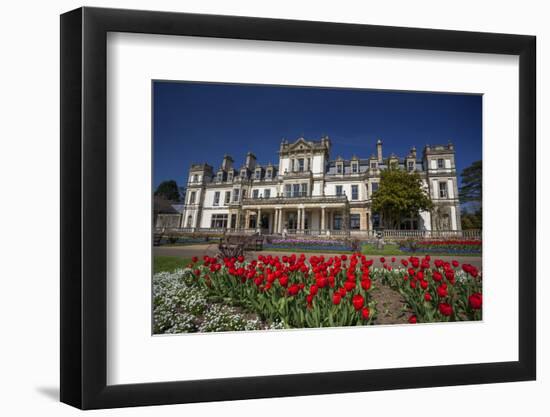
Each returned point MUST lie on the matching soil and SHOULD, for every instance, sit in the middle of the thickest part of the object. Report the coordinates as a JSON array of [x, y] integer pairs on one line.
[[389, 304]]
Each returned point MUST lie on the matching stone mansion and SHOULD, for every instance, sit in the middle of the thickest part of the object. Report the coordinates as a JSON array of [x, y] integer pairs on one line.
[[309, 193]]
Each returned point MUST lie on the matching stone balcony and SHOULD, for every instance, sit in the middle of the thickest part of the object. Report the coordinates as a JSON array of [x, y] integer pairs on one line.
[[293, 200]]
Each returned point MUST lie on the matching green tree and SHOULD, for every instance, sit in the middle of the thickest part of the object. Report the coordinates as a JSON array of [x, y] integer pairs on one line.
[[471, 220], [470, 195], [399, 195], [168, 190], [470, 191]]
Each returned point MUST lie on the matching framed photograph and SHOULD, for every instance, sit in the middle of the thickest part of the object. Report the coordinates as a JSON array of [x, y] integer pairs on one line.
[[258, 208]]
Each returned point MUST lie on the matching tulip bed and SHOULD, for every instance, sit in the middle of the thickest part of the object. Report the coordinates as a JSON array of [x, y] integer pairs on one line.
[[294, 292], [456, 247], [444, 291], [308, 245], [180, 306]]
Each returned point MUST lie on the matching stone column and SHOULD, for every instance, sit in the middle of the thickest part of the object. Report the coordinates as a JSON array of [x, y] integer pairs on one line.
[[259, 220], [246, 219], [303, 224], [322, 219], [299, 220]]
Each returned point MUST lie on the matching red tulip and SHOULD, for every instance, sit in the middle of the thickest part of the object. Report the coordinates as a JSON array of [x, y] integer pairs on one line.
[[382, 260], [195, 259], [366, 284], [365, 313], [437, 276], [475, 301], [241, 259], [445, 309], [427, 297], [358, 302], [293, 289], [283, 280], [336, 299], [349, 285], [412, 319], [424, 284], [442, 291], [455, 264]]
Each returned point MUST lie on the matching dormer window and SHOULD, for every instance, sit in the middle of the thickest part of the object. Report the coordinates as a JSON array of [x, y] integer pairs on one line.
[[410, 165], [440, 163], [301, 165], [269, 173], [220, 176], [354, 167], [258, 174], [243, 173], [373, 165], [230, 176], [339, 168], [195, 178]]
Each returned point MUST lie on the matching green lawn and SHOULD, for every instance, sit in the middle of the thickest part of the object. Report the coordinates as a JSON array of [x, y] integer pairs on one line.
[[169, 263], [389, 249]]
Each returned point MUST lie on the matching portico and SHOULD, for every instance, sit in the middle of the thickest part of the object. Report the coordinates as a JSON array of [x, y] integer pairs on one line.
[[282, 215]]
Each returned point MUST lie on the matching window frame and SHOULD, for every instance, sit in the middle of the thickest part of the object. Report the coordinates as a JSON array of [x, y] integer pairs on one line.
[[356, 188], [443, 191]]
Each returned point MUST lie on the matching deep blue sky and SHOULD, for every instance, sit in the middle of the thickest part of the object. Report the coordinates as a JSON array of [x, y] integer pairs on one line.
[[196, 122]]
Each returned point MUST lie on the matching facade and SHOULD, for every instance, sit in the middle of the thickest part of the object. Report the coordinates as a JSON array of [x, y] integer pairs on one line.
[[307, 192]]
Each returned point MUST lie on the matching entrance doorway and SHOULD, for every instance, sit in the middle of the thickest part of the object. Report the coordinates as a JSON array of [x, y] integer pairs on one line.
[[292, 221]]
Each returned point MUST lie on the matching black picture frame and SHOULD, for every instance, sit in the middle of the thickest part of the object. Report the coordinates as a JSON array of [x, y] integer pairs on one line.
[[84, 207]]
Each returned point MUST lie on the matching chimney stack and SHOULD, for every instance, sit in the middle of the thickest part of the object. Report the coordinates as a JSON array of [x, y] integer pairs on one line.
[[250, 161], [227, 163], [379, 150]]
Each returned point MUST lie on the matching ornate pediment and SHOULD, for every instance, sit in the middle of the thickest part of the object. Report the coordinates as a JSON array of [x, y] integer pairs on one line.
[[300, 145]]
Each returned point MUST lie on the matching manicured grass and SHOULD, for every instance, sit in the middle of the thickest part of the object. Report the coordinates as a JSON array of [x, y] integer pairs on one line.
[[389, 249], [169, 263]]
